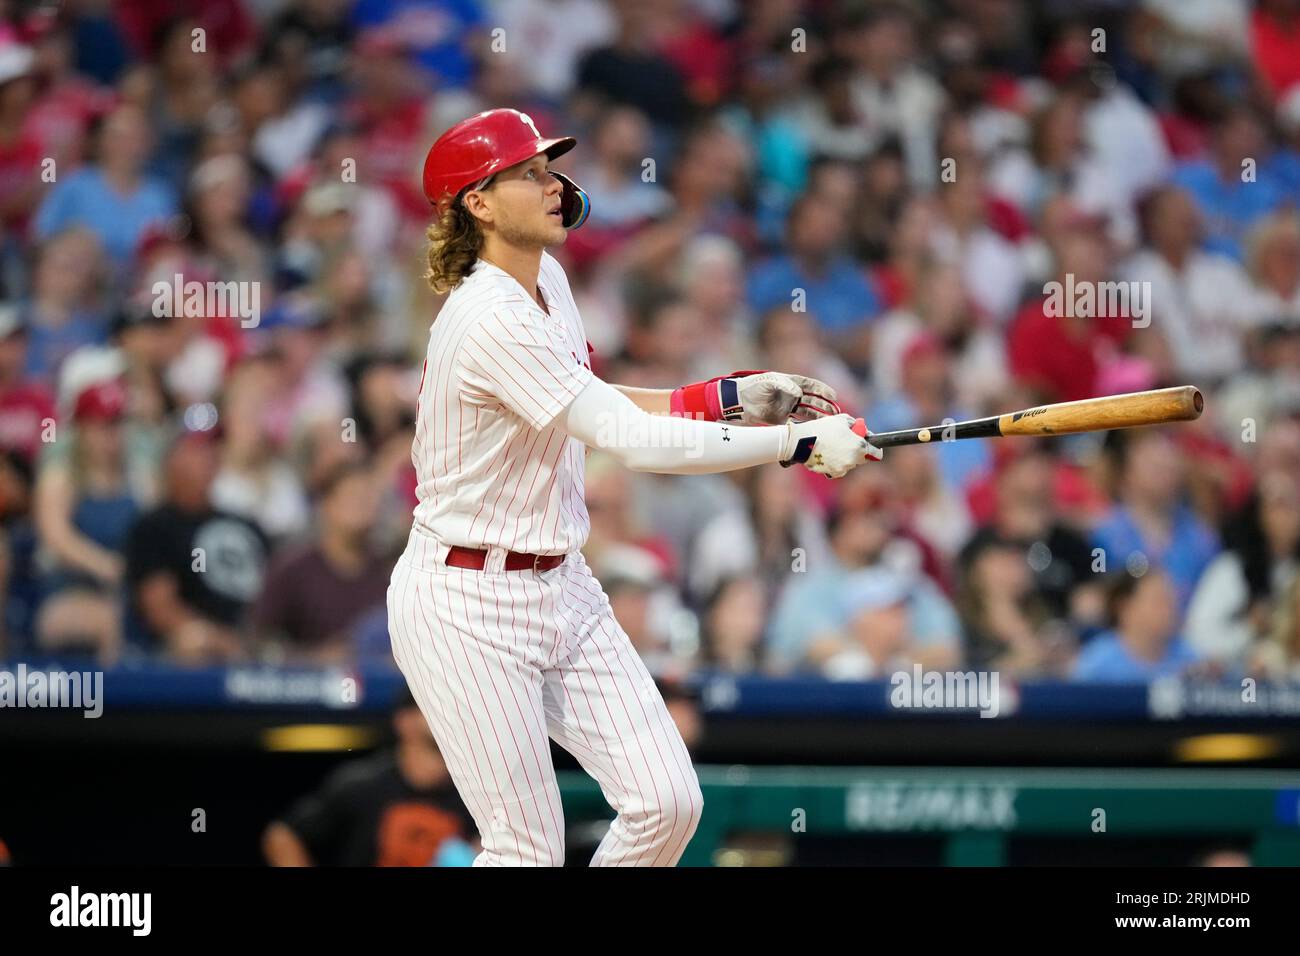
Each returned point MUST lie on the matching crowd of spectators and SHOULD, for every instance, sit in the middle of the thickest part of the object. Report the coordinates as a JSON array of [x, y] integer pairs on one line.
[[876, 193]]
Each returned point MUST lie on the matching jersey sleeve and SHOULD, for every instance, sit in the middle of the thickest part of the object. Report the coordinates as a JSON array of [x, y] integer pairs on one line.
[[513, 357]]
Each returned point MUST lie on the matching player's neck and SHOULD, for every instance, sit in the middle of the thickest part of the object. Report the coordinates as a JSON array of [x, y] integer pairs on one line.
[[523, 264]]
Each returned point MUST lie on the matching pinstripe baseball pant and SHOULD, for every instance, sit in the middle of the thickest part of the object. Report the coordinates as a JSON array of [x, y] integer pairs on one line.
[[501, 660]]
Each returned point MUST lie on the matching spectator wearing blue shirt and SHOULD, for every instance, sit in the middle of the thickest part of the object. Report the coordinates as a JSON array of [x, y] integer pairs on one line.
[[112, 198], [62, 315], [1151, 525], [925, 395], [1230, 203], [437, 32], [835, 288], [1283, 167], [780, 146], [620, 199], [879, 633], [1144, 644], [810, 624], [1283, 163]]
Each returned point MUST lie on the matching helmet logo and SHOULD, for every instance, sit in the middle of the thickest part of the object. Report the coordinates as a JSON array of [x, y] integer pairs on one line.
[[531, 125]]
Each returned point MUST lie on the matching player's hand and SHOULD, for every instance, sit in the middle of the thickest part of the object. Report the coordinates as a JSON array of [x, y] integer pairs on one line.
[[832, 445], [816, 399], [773, 398]]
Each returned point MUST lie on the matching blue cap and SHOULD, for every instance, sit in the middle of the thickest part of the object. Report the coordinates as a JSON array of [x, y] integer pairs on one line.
[[294, 312], [871, 589]]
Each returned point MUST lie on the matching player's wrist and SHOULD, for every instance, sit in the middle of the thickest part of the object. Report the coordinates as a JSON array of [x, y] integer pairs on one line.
[[798, 445], [701, 401]]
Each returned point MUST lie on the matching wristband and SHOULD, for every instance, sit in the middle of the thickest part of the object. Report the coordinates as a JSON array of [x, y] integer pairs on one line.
[[802, 451], [717, 400]]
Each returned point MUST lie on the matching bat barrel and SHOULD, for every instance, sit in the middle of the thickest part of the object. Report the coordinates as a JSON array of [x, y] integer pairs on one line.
[[1179, 404], [1159, 406]]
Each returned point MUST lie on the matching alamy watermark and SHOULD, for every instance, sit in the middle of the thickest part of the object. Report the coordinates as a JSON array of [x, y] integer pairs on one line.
[[631, 428], [193, 299], [75, 690], [1089, 300], [130, 910], [920, 689]]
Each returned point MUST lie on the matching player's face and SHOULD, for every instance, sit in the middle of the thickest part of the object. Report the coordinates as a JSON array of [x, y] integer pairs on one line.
[[525, 205]]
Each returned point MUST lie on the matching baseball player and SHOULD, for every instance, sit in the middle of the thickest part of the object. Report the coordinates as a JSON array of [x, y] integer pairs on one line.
[[501, 630]]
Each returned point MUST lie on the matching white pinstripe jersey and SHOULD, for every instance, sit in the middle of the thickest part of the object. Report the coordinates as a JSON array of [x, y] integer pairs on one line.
[[491, 470]]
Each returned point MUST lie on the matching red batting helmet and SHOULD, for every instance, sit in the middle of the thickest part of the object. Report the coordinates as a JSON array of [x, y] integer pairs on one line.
[[483, 145]]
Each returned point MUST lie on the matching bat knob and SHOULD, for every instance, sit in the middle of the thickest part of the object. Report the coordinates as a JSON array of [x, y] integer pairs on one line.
[[859, 428]]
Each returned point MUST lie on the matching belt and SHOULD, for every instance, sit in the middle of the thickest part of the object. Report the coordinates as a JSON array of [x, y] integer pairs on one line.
[[474, 560]]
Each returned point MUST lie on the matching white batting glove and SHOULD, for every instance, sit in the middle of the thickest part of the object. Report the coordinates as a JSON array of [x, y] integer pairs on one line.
[[772, 398], [829, 445]]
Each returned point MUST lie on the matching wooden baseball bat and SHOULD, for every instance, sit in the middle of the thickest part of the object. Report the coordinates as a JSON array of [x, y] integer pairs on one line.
[[1180, 404]]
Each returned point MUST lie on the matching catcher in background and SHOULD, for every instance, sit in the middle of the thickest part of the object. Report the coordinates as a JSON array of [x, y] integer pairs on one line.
[[503, 634]]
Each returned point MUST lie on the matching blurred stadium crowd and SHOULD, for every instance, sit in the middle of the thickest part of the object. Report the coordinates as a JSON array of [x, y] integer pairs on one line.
[[872, 193]]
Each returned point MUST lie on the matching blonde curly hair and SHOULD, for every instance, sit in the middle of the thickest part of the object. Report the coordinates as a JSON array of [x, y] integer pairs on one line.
[[455, 241]]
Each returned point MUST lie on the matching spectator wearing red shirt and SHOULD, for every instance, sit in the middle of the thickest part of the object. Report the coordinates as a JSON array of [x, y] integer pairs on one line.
[[389, 113], [25, 407], [228, 30], [1076, 498], [1187, 121], [20, 150], [67, 102], [1275, 44], [704, 57], [1061, 357]]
